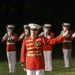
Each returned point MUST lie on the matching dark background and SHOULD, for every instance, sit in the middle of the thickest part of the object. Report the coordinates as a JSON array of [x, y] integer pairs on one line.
[[20, 12]]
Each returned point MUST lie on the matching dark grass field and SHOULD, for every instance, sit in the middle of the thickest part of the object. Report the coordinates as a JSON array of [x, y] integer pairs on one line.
[[58, 68], [58, 63]]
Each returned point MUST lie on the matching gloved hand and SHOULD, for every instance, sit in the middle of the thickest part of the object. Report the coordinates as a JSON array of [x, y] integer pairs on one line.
[[65, 33], [22, 36], [9, 33], [26, 32], [22, 64], [5, 36], [41, 34], [73, 35], [48, 36], [12, 37]]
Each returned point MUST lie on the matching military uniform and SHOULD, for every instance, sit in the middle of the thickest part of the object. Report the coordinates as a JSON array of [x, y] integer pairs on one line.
[[11, 49], [67, 46], [47, 49], [23, 34], [32, 52]]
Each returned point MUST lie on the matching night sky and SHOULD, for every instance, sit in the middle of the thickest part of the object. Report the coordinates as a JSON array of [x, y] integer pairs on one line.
[[20, 12]]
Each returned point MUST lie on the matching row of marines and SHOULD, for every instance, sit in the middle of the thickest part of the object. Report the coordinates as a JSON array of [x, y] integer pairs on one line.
[[36, 49]]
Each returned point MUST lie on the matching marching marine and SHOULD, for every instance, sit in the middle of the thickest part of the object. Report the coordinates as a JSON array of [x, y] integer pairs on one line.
[[10, 38], [31, 57], [25, 34], [47, 48], [67, 44]]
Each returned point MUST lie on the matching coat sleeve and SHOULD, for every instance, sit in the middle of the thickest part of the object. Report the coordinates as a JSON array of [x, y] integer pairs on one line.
[[53, 41], [23, 52]]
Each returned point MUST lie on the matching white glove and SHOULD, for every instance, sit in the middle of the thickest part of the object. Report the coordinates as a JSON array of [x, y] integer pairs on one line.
[[22, 36], [65, 33], [48, 37], [9, 34], [12, 37], [8, 38], [73, 35], [41, 34], [27, 32], [5, 36], [45, 31]]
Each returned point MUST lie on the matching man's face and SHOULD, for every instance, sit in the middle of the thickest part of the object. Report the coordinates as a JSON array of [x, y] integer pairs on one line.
[[65, 27], [26, 30], [34, 31], [47, 29], [10, 29]]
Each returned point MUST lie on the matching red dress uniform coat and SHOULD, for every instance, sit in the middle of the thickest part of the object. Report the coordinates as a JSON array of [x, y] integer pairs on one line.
[[32, 52], [67, 43], [47, 47], [10, 45]]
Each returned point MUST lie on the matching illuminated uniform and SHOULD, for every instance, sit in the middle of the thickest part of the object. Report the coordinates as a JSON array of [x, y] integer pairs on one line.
[[32, 53], [47, 48], [11, 50], [67, 45]]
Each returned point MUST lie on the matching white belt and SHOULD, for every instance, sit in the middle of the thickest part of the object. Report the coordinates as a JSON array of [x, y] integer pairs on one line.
[[40, 54], [67, 41], [10, 43]]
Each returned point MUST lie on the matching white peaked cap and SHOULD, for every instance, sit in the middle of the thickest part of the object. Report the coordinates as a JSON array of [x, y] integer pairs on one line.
[[25, 26], [34, 26], [66, 24], [47, 25], [10, 26]]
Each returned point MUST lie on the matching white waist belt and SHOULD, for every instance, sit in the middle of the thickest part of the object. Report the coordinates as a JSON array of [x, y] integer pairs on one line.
[[10, 43], [67, 41], [40, 54]]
